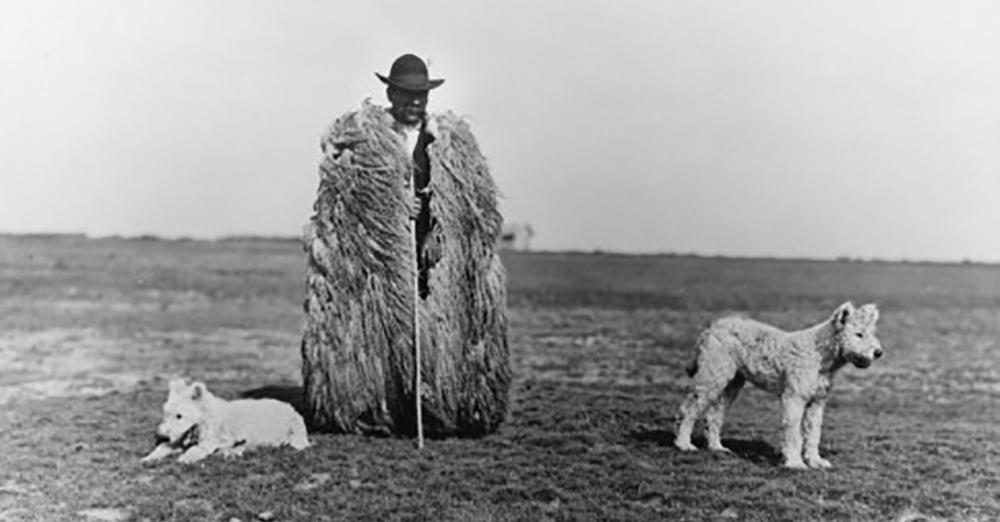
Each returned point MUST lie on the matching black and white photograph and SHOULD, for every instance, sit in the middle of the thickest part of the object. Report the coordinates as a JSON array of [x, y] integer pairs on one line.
[[561, 260]]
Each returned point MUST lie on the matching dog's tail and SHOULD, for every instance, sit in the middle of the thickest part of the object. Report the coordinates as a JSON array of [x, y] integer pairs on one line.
[[704, 338]]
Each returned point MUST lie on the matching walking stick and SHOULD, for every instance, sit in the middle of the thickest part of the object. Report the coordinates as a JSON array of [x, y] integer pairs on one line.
[[416, 337]]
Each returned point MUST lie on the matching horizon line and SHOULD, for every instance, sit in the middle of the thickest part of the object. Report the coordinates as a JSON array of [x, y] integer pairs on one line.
[[281, 238]]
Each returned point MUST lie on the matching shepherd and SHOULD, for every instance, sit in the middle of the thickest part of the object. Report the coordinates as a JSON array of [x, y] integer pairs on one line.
[[402, 254]]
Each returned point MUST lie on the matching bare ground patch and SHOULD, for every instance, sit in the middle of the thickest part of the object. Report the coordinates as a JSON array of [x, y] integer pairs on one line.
[[87, 362]]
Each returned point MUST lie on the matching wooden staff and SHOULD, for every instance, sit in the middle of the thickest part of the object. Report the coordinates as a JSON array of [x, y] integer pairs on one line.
[[416, 335]]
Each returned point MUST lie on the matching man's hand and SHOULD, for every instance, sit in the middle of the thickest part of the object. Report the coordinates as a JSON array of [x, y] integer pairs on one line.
[[415, 206], [433, 247]]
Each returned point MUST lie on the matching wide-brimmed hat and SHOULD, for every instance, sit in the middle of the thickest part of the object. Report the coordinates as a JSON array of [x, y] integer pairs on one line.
[[409, 72]]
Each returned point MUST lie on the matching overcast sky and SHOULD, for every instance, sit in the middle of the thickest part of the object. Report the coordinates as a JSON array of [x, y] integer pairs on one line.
[[772, 127]]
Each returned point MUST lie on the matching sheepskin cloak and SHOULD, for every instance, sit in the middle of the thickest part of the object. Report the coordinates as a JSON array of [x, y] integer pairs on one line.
[[357, 349]]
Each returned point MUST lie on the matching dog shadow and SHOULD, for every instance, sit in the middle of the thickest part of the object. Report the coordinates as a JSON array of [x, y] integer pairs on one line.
[[756, 451], [293, 395]]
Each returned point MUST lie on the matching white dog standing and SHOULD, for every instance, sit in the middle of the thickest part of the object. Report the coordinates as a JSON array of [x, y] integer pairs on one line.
[[799, 366], [198, 424]]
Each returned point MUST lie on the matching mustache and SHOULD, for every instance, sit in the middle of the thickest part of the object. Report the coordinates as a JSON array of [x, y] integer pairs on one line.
[[410, 111]]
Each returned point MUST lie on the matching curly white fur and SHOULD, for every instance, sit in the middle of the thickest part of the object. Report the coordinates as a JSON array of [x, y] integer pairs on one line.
[[198, 423], [799, 366]]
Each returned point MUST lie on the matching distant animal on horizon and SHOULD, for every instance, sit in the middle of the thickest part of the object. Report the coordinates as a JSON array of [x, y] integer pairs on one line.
[[798, 366], [197, 424]]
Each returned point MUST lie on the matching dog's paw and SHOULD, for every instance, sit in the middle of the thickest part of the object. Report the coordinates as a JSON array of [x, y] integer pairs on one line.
[[719, 448], [152, 458], [795, 464], [818, 462], [685, 446], [159, 453]]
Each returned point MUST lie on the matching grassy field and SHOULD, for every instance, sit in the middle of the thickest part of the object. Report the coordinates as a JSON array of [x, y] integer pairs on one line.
[[91, 329]]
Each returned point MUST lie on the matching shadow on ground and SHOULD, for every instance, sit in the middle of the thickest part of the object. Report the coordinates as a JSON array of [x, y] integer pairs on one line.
[[756, 451], [293, 395]]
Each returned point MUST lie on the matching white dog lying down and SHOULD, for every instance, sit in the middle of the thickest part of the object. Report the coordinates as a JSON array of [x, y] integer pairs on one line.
[[198, 424], [798, 366]]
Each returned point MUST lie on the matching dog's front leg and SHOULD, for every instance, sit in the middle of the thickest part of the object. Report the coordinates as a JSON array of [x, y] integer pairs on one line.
[[161, 451], [812, 426], [794, 406], [196, 453]]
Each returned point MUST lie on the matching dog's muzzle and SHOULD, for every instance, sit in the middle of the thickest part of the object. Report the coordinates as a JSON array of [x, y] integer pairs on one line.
[[187, 439], [859, 361]]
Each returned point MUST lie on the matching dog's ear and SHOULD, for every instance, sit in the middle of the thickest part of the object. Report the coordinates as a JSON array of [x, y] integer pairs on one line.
[[870, 312], [198, 391], [842, 315], [178, 384]]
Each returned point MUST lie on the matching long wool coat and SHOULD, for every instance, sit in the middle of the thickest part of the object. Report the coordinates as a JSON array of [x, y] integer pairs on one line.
[[357, 350]]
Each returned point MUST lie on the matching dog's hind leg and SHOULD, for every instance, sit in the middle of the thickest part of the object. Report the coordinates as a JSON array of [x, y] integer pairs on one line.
[[232, 452], [710, 382], [716, 412], [691, 409]]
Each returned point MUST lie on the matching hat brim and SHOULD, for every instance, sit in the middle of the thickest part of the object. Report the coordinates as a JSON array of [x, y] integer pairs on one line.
[[411, 86]]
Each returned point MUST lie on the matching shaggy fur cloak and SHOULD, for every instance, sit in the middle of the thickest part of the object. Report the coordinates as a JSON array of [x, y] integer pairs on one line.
[[357, 350]]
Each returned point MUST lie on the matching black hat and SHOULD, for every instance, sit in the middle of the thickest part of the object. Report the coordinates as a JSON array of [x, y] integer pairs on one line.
[[409, 73]]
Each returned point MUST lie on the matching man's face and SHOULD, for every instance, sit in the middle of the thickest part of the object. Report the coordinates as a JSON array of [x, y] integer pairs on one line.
[[408, 107]]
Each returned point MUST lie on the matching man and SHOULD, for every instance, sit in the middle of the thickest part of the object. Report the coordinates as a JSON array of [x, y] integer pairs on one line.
[[408, 87], [385, 175]]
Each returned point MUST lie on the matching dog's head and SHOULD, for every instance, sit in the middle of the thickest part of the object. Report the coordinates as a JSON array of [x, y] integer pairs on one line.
[[855, 333], [183, 412]]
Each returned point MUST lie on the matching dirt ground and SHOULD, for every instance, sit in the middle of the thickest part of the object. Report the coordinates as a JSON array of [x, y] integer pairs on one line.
[[90, 330]]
